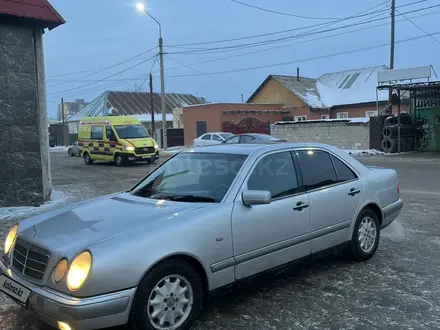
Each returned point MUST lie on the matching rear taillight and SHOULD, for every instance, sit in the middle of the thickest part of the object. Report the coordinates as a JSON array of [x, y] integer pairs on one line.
[[398, 188]]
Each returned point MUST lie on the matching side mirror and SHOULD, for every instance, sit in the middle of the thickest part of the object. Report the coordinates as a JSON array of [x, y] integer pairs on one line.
[[256, 197]]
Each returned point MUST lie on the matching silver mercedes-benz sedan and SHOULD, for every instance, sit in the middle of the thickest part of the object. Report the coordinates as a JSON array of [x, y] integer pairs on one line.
[[204, 219]]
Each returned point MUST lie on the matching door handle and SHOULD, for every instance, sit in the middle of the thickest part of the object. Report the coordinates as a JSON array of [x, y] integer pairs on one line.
[[300, 206], [354, 192]]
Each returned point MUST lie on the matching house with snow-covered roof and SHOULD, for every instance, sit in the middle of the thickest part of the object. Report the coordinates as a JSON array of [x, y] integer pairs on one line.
[[335, 95]]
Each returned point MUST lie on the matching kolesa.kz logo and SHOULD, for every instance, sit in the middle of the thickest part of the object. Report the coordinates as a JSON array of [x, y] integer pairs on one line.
[[11, 288]]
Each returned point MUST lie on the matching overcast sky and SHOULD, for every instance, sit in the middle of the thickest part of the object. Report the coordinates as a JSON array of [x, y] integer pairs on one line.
[[102, 33]]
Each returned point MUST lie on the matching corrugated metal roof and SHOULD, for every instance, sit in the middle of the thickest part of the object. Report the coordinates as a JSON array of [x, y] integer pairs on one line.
[[35, 9], [134, 103], [304, 88]]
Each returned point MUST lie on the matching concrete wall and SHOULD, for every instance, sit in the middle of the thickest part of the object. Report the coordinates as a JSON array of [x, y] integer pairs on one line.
[[24, 141], [341, 134]]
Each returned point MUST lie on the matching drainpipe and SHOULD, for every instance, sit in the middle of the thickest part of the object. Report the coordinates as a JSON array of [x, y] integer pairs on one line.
[[297, 73]]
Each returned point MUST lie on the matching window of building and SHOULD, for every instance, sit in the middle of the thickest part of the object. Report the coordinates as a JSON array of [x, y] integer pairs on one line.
[[325, 116], [370, 113], [288, 118], [276, 174], [343, 171], [342, 115], [317, 169], [300, 118], [97, 132]]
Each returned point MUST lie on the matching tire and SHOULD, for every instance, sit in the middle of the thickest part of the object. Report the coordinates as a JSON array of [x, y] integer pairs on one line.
[[70, 153], [364, 241], [172, 270], [87, 159], [119, 160]]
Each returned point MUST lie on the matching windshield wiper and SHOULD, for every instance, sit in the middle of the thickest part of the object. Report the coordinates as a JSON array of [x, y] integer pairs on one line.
[[186, 198]]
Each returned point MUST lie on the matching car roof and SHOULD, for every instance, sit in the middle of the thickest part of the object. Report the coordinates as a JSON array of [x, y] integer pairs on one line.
[[250, 148]]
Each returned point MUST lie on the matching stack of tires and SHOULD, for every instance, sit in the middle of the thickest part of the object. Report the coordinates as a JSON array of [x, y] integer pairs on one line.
[[390, 134]]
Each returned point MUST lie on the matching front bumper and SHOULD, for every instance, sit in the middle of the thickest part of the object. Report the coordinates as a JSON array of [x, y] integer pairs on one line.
[[139, 158], [96, 312], [390, 213]]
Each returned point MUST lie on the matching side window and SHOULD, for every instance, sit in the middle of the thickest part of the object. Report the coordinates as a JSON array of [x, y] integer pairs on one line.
[[247, 138], [206, 137], [343, 171], [97, 132], [316, 168], [275, 173], [235, 139], [217, 138], [109, 133]]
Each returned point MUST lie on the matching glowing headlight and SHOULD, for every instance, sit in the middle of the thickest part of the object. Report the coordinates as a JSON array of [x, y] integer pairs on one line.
[[60, 271], [10, 239], [128, 148], [79, 270], [156, 146]]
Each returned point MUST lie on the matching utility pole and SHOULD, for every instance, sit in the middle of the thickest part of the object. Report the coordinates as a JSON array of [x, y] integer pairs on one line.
[[162, 95], [393, 27], [153, 128], [64, 127]]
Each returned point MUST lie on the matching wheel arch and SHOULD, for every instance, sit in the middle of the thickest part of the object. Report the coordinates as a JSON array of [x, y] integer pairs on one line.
[[376, 209], [190, 259]]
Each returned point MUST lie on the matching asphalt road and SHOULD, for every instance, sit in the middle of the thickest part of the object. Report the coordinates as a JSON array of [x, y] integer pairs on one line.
[[397, 289]]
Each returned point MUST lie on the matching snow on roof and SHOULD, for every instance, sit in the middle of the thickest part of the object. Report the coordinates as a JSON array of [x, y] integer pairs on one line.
[[336, 88], [350, 87], [304, 88]]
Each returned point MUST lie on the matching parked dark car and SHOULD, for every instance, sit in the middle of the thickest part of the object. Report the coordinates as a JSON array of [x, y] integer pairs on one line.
[[252, 138]]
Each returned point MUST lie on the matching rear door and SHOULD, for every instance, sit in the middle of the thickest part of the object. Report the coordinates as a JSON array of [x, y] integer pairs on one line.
[[335, 191]]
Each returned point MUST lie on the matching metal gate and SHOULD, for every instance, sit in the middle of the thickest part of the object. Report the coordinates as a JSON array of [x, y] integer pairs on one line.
[[246, 125]]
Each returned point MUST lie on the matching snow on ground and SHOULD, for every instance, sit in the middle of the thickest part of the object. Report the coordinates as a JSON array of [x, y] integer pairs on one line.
[[57, 198], [58, 148], [364, 152]]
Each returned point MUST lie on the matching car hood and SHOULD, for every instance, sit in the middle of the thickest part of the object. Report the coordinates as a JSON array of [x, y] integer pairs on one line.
[[77, 227], [139, 143]]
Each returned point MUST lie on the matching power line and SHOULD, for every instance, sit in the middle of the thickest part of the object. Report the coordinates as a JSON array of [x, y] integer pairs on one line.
[[306, 59], [282, 13], [207, 75], [421, 29], [357, 15], [295, 43], [277, 40], [146, 77], [99, 70], [115, 74]]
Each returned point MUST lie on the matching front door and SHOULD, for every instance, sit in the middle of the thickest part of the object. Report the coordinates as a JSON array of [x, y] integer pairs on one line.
[[201, 128], [334, 191], [270, 235]]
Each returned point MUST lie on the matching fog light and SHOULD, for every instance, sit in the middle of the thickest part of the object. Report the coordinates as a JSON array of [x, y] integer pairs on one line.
[[63, 326]]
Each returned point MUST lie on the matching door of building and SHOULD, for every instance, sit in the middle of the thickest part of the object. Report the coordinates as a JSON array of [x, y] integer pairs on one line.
[[201, 128], [437, 131]]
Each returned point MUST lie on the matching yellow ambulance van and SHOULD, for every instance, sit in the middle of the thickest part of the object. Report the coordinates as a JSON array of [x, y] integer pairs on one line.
[[120, 139]]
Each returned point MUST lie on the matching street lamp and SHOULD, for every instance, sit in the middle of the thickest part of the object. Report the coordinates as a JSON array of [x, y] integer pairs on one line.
[[141, 7]]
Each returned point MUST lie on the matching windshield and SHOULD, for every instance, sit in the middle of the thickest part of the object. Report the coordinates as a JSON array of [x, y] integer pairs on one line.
[[226, 135], [192, 177], [131, 131]]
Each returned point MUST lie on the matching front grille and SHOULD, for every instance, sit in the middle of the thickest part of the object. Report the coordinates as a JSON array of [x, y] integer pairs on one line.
[[144, 150], [29, 261]]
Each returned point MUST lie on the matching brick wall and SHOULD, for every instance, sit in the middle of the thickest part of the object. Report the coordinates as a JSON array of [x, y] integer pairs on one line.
[[213, 115], [341, 134]]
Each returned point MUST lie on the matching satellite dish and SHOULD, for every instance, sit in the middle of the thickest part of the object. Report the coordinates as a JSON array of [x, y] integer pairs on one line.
[[112, 111]]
